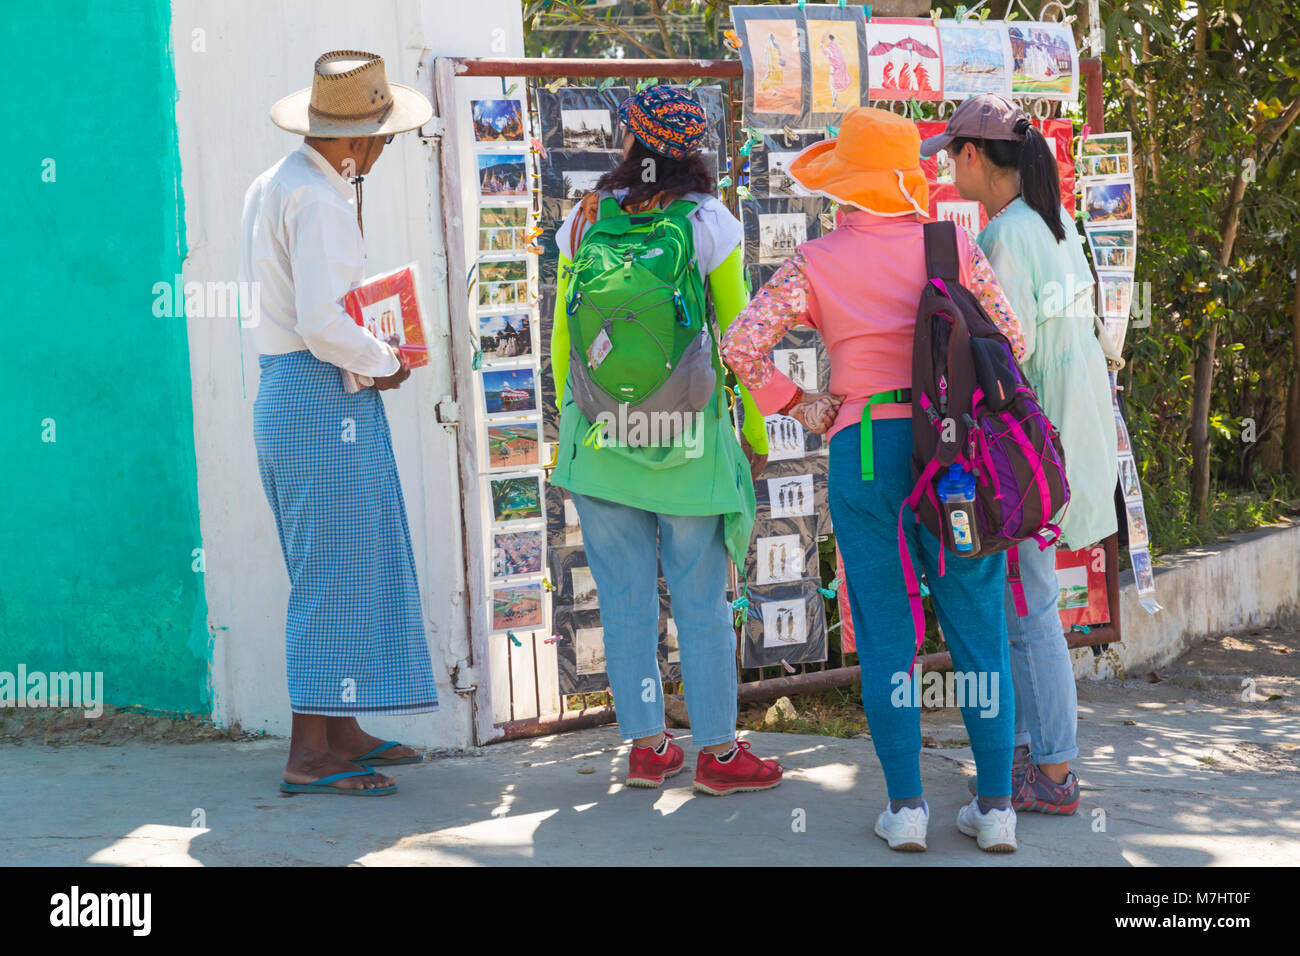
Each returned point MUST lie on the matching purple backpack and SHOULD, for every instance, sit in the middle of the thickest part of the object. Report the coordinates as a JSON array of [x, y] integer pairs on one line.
[[972, 405]]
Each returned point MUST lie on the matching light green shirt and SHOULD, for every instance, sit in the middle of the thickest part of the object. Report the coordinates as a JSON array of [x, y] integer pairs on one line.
[[1050, 287]]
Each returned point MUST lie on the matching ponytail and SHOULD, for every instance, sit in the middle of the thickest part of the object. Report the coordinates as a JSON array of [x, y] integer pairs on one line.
[[1034, 160], [1040, 183]]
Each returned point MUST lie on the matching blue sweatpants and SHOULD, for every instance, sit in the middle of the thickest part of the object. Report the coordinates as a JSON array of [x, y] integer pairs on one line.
[[968, 599]]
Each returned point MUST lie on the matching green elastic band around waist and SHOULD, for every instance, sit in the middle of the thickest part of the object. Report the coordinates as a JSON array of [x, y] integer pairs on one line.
[[892, 397]]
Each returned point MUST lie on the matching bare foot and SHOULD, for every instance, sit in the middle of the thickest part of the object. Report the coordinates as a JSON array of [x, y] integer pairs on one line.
[[348, 740], [308, 766]]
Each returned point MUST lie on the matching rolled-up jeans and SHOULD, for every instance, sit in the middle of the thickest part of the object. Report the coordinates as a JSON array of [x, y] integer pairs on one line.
[[1047, 706], [625, 547]]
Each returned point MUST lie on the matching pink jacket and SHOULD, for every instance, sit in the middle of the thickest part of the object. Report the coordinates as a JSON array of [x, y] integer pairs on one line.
[[858, 286]]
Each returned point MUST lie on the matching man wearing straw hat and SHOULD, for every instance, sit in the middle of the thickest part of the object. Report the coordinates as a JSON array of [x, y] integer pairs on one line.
[[355, 642]]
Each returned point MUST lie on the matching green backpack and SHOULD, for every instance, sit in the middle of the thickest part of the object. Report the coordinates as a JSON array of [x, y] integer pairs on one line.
[[643, 356]]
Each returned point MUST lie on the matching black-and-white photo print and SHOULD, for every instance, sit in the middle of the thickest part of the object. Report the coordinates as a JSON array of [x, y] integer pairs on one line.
[[799, 365], [785, 623], [791, 497], [779, 558], [588, 129], [785, 438]]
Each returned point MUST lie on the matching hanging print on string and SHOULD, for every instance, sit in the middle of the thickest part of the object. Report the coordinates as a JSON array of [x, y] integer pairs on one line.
[[1046, 61], [904, 60], [976, 59], [773, 51], [836, 58]]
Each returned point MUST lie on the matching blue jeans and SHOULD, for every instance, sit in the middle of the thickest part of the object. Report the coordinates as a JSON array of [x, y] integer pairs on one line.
[[968, 600], [1047, 704], [625, 547]]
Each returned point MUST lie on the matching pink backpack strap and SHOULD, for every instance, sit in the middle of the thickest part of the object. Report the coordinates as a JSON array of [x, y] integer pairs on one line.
[[913, 501], [913, 590], [1017, 585]]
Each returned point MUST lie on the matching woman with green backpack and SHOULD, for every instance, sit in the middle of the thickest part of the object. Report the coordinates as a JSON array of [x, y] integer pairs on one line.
[[646, 443]]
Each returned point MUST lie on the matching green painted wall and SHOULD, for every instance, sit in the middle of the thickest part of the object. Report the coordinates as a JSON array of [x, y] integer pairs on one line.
[[98, 525]]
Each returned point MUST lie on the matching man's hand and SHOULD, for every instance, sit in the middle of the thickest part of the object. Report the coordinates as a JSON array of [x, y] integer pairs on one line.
[[757, 462], [385, 382], [817, 411]]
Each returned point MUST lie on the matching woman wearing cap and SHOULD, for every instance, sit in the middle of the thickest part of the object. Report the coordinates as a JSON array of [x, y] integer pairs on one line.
[[689, 516], [858, 286], [1001, 161]]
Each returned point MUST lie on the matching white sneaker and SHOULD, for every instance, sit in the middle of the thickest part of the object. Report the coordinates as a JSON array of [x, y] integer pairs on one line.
[[995, 831], [904, 830]]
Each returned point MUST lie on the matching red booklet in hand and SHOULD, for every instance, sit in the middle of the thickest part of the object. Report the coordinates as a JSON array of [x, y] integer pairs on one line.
[[390, 306]]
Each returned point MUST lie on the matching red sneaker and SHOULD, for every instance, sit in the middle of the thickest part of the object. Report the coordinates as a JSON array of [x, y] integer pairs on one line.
[[645, 768], [741, 773]]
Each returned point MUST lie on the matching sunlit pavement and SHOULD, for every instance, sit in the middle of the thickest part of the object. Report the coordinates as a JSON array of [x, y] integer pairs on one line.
[[1185, 783]]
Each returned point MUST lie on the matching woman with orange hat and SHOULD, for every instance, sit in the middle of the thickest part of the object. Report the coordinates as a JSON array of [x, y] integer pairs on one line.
[[858, 286]]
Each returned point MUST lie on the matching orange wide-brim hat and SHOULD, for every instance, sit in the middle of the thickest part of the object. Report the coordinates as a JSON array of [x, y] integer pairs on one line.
[[873, 164]]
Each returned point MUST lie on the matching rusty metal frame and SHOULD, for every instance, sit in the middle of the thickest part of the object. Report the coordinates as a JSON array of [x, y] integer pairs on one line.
[[1090, 75]]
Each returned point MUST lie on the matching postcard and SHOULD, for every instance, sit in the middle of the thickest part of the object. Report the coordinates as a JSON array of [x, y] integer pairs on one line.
[[517, 606], [502, 176], [513, 445], [515, 498], [510, 391], [517, 552], [498, 121]]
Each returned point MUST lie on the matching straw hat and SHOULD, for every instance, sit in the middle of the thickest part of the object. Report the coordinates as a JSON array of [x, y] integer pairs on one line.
[[874, 164], [350, 96]]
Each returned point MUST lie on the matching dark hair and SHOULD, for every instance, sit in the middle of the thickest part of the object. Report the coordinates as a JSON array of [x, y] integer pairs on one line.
[[673, 178], [1040, 183]]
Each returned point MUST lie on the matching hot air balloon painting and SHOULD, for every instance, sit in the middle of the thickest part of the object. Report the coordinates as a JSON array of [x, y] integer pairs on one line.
[[904, 60]]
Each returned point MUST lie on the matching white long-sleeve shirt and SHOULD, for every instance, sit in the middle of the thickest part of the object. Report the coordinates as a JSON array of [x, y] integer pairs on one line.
[[302, 246]]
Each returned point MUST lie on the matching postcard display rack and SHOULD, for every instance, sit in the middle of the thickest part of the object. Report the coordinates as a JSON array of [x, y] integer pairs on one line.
[[499, 226], [1109, 215], [577, 141], [804, 66]]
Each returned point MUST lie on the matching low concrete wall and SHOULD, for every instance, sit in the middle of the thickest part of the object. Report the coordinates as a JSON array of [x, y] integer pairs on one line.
[[1248, 580]]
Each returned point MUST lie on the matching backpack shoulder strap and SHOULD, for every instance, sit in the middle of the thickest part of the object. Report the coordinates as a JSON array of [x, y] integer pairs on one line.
[[608, 205], [681, 207], [941, 251], [589, 210]]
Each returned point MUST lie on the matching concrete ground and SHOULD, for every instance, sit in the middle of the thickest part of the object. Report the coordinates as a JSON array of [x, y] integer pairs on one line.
[[1182, 771]]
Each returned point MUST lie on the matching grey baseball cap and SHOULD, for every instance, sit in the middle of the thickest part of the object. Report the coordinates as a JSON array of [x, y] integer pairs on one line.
[[986, 116]]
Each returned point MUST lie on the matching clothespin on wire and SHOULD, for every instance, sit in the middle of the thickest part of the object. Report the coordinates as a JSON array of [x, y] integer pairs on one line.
[[514, 640], [866, 10], [784, 663]]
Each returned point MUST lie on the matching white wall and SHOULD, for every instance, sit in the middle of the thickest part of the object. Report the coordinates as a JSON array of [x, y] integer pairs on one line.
[[1249, 580], [257, 52]]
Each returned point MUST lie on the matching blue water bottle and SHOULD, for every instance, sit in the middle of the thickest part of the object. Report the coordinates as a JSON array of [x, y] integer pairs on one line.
[[957, 496]]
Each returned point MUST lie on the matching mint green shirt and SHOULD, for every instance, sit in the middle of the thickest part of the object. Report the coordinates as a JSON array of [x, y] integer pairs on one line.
[[1050, 287]]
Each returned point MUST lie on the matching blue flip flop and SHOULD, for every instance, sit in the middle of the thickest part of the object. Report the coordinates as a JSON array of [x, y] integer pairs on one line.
[[374, 758], [323, 785]]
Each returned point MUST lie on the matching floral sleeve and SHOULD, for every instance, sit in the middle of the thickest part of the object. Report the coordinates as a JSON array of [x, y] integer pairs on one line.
[[986, 288], [747, 345]]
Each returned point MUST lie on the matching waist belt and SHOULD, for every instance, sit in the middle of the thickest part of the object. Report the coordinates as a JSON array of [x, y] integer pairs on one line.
[[896, 396]]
